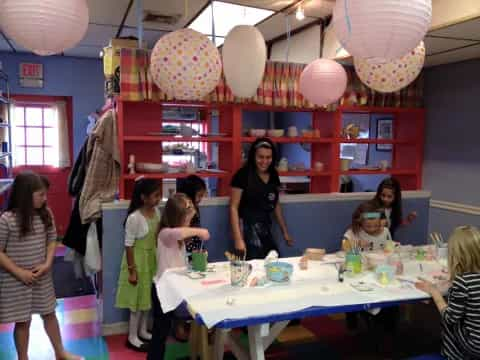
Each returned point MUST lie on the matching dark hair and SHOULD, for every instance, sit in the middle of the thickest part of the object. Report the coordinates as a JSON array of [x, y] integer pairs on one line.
[[261, 143], [142, 187], [394, 185], [357, 217], [20, 201], [45, 181], [190, 186], [174, 212]]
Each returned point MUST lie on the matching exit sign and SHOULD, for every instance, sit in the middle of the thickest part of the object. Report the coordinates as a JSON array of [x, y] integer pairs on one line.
[[31, 75]]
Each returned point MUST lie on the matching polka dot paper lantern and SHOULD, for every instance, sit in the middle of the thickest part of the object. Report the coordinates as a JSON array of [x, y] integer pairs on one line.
[[185, 65], [394, 75], [323, 82], [244, 54], [45, 27], [381, 30]]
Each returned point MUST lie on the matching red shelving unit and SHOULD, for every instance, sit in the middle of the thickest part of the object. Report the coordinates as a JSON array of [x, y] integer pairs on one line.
[[137, 119]]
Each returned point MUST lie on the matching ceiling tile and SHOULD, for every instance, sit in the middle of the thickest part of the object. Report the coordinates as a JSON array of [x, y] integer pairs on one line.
[[84, 51], [150, 36], [98, 35], [167, 8], [107, 11]]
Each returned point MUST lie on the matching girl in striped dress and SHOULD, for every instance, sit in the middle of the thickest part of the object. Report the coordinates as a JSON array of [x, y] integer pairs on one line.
[[27, 248], [461, 314]]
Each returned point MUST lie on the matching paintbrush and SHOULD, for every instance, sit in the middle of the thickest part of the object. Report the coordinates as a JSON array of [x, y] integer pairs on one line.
[[229, 256]]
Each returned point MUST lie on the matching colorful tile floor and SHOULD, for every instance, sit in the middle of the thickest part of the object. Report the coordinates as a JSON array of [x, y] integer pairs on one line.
[[81, 334]]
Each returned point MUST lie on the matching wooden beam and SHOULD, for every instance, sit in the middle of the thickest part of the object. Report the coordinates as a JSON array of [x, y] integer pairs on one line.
[[8, 41], [125, 15], [294, 32]]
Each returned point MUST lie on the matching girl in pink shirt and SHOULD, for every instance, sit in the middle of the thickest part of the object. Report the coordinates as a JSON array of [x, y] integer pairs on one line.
[[174, 230]]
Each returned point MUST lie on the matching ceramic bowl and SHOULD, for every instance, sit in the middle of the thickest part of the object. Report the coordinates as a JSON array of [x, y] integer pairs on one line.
[[307, 133], [314, 254], [257, 132], [151, 167], [275, 132], [375, 259], [279, 271]]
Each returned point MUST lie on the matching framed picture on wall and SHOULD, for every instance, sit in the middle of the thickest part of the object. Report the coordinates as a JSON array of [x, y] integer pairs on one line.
[[384, 131]]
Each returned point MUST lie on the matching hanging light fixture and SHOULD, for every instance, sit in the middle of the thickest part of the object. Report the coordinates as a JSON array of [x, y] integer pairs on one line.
[[45, 27], [300, 14]]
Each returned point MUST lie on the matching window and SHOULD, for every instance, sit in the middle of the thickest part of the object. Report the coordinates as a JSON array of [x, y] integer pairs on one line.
[[226, 17], [35, 135]]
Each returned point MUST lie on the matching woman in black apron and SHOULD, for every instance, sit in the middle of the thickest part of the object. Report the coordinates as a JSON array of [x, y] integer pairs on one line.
[[254, 198]]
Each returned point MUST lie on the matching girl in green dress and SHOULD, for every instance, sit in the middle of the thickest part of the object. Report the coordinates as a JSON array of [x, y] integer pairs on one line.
[[139, 260]]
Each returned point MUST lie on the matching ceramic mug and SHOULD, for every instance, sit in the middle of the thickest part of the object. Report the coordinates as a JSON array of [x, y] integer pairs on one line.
[[318, 166], [292, 131], [384, 164]]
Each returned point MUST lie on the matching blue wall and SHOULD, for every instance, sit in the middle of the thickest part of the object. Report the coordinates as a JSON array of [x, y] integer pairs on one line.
[[294, 152], [452, 150], [80, 78], [311, 224]]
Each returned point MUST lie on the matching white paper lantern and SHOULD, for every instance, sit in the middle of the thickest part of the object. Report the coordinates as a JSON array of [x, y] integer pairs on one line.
[[244, 55], [185, 65], [394, 75], [45, 27], [323, 82], [381, 30]]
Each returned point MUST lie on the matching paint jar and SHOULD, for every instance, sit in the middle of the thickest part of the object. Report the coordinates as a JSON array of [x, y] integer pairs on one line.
[[239, 272], [199, 260], [353, 263]]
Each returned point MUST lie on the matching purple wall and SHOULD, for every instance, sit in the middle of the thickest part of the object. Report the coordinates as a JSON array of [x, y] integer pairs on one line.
[[452, 146], [80, 78]]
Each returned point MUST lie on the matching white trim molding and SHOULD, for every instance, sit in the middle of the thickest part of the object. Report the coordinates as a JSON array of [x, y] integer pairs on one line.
[[455, 207], [286, 199], [118, 328]]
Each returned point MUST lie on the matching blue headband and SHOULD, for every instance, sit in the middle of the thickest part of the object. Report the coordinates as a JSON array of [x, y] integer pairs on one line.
[[371, 215]]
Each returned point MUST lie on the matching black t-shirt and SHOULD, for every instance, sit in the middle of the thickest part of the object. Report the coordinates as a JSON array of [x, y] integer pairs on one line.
[[258, 198]]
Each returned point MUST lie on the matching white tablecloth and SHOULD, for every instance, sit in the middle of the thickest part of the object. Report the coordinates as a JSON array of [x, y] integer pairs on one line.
[[212, 296]]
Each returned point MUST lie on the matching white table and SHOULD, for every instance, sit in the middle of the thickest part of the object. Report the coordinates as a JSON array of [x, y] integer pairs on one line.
[[267, 310]]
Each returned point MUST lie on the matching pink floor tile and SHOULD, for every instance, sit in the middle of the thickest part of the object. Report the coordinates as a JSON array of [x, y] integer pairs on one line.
[[80, 302], [80, 331], [6, 327]]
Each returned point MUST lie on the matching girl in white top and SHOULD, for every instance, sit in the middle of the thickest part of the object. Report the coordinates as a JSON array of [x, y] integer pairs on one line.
[[367, 231], [174, 230]]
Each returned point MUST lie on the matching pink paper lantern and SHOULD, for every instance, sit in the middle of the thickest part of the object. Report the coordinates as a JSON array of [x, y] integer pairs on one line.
[[185, 65], [45, 27], [381, 30], [323, 82], [394, 75]]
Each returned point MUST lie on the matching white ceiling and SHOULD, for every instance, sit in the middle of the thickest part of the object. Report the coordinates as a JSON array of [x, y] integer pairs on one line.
[[449, 44]]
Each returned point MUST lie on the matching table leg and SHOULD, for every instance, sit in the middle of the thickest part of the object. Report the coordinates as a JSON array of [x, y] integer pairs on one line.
[[219, 345], [255, 343], [194, 333]]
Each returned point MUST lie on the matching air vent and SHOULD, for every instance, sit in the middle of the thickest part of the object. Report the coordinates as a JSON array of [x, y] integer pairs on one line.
[[158, 18]]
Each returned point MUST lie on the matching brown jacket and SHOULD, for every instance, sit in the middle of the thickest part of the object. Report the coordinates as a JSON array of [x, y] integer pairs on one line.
[[103, 169]]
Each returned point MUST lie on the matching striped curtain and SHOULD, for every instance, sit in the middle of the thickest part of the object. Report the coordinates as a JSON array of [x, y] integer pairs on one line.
[[279, 87]]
